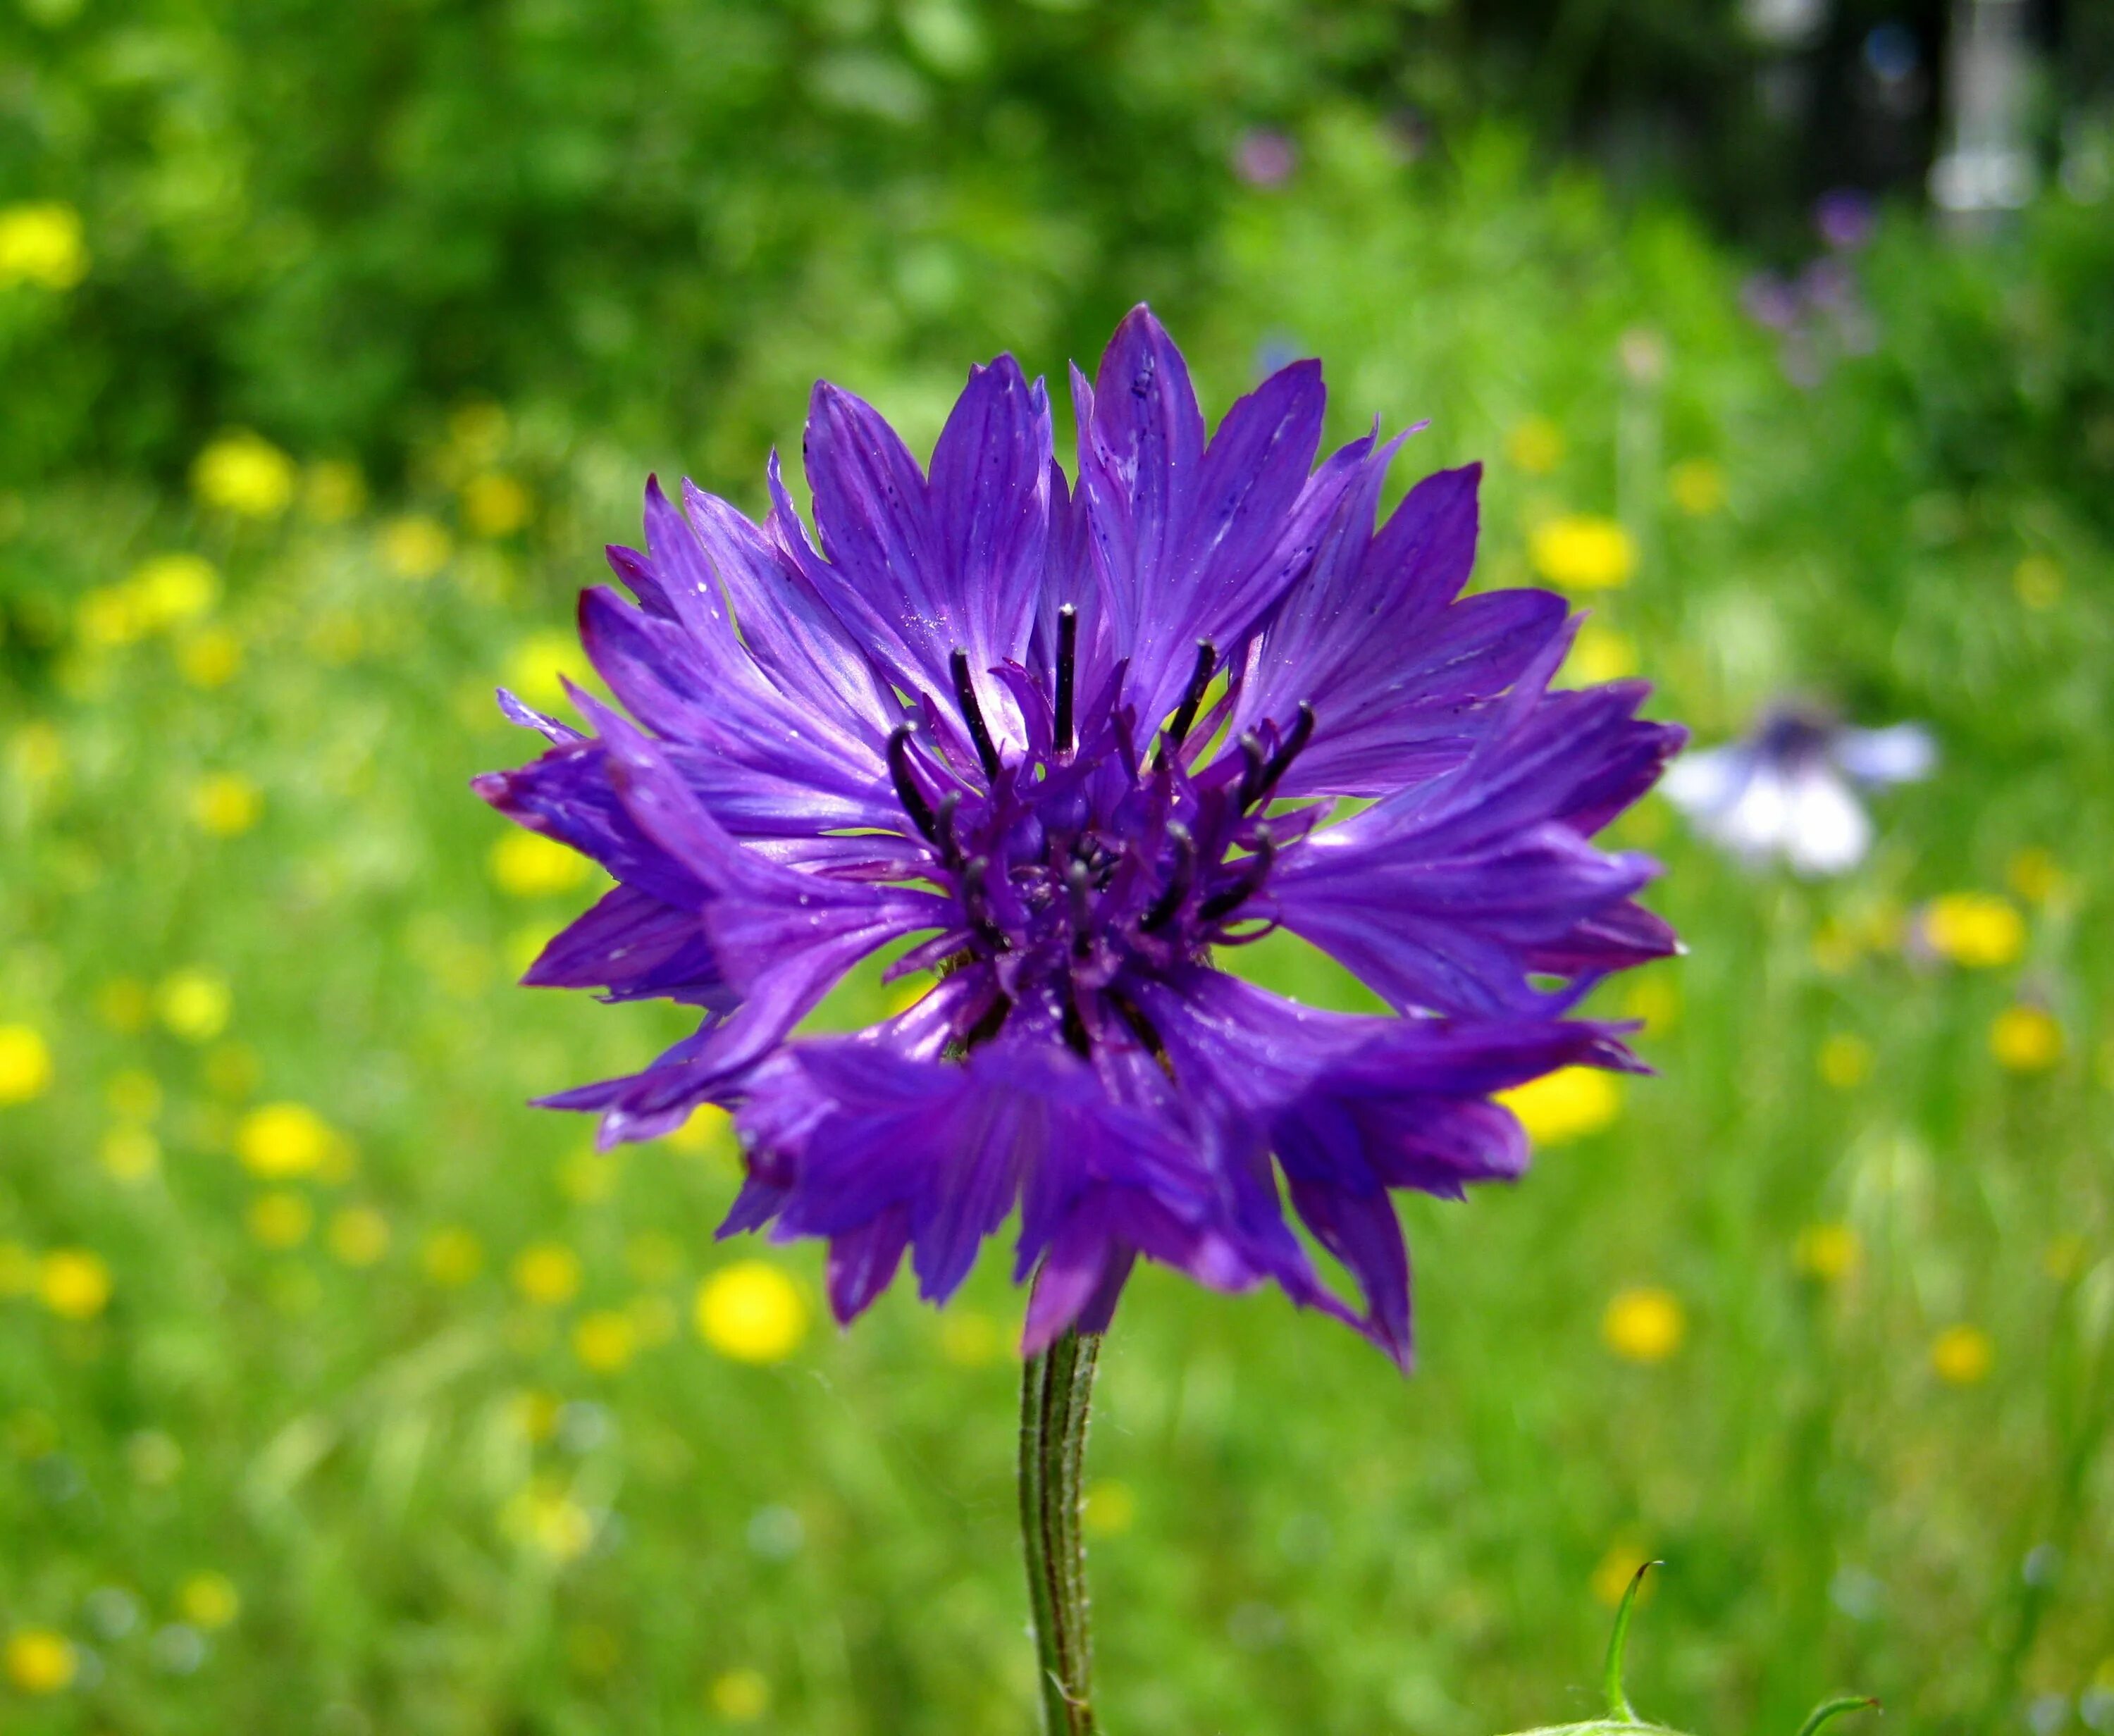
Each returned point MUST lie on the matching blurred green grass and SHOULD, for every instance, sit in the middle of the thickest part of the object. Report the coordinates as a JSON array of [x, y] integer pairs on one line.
[[398, 1417]]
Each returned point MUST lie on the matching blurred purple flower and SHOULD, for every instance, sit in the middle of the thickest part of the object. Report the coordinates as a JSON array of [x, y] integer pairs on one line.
[[1789, 790], [1845, 219], [1077, 736], [1768, 300], [1266, 158]]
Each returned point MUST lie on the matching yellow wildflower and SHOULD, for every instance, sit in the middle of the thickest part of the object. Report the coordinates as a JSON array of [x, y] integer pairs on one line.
[[751, 1312], [281, 1218], [334, 491], [358, 1234], [208, 1601], [452, 1256], [282, 1139], [741, 1696], [195, 1003], [1110, 1509], [545, 1518], [1961, 1355], [709, 1129], [1846, 1060], [1566, 1104], [1617, 1569], [2036, 877], [130, 1153], [534, 1413], [1654, 999], [110, 615], [73, 1283], [495, 504], [2037, 580], [41, 243], [534, 666], [605, 1339], [1827, 1251], [2026, 1040], [38, 754], [171, 589], [1980, 930], [226, 804], [1697, 486], [25, 1064], [245, 474], [1534, 445], [40, 1661], [547, 1274], [1644, 1324], [211, 659], [1600, 654], [526, 865], [1583, 552], [415, 547]]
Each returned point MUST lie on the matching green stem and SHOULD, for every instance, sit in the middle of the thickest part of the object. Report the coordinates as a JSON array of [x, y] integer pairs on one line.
[[1055, 1388]]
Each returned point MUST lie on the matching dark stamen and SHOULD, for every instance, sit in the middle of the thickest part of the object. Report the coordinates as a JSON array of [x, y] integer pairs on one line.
[[1077, 882], [1067, 660], [1075, 1030], [1281, 762], [973, 714], [1257, 869], [1254, 761], [977, 909], [950, 846], [1177, 889], [906, 791], [1176, 731]]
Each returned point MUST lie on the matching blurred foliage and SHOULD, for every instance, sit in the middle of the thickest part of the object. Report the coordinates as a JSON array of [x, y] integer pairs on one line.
[[341, 1392]]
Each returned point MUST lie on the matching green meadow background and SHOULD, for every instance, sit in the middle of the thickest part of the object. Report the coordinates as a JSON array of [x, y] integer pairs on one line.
[[341, 1392]]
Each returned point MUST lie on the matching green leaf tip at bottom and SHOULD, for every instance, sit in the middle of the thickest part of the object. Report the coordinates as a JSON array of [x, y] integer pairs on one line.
[[1622, 1718]]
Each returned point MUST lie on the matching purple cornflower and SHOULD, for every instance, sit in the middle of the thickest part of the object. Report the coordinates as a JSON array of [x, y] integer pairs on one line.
[[1072, 738]]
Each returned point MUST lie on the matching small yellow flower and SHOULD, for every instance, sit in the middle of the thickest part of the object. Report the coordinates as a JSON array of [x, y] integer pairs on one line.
[[1110, 1509], [1644, 1324], [2037, 580], [211, 659], [2036, 877], [245, 474], [281, 1140], [1980, 930], [1828, 1251], [1583, 552], [740, 1696], [535, 665], [605, 1339], [1534, 445], [495, 504], [281, 1218], [1617, 1569], [41, 243], [38, 754], [415, 547], [1697, 486], [526, 865], [1846, 1061], [2026, 1040], [110, 615], [171, 589], [208, 1601], [73, 1283], [1600, 654], [195, 1004], [709, 1131], [226, 804], [971, 1340], [125, 1004], [534, 1413], [40, 1661], [1566, 1104], [130, 1153], [1654, 998], [547, 1274], [334, 491], [751, 1312], [25, 1064], [1961, 1355], [358, 1234], [452, 1256], [545, 1518]]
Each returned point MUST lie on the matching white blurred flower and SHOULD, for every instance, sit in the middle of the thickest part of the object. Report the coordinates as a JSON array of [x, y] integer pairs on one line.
[[1790, 789]]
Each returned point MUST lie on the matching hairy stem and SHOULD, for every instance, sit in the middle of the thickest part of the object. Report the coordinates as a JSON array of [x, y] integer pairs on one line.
[[1055, 1388]]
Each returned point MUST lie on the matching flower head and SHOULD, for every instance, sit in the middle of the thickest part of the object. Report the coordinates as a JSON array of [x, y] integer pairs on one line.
[[1070, 737]]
